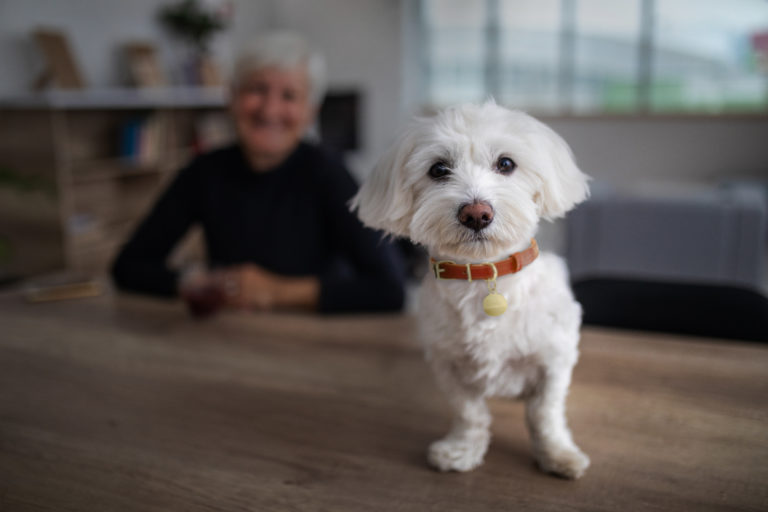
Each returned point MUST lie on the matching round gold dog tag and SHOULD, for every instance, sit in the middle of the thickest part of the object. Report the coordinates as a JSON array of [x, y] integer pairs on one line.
[[494, 304]]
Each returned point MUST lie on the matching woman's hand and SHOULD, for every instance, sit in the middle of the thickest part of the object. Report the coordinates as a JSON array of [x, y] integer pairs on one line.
[[250, 286]]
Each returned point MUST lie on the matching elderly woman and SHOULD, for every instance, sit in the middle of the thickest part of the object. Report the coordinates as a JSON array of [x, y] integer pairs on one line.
[[273, 208]]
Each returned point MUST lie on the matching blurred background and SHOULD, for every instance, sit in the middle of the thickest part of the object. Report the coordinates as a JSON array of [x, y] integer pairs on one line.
[[664, 103]]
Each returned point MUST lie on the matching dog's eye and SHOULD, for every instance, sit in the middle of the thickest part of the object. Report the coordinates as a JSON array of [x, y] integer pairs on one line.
[[439, 171], [505, 165]]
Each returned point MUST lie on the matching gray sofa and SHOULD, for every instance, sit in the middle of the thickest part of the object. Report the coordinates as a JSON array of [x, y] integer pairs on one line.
[[690, 261]]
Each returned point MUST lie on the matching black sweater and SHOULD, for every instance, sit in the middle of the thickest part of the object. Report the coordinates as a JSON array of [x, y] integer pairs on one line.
[[293, 220]]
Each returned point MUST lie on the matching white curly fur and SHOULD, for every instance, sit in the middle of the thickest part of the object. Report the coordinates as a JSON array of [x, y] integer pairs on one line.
[[530, 350]]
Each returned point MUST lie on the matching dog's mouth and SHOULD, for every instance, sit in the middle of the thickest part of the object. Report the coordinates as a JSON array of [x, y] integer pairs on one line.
[[474, 240], [478, 237], [471, 236]]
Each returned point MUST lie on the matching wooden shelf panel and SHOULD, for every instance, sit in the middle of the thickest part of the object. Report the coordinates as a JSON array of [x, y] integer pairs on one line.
[[120, 98]]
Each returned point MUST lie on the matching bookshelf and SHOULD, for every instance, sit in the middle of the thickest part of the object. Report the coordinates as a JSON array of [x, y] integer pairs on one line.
[[78, 169]]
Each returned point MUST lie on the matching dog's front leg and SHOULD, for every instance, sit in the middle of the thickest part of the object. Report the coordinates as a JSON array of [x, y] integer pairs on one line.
[[553, 445], [464, 447]]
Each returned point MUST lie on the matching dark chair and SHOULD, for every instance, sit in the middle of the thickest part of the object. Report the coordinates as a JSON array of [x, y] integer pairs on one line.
[[710, 310]]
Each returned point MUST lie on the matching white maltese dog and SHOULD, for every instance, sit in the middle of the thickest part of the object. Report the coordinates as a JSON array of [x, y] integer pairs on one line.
[[497, 318]]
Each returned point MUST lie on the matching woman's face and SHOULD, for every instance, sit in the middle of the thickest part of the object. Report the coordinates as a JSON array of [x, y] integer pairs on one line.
[[272, 110]]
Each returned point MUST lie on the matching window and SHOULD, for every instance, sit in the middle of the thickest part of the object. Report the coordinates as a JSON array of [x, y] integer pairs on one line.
[[595, 56], [705, 58], [457, 50], [528, 63]]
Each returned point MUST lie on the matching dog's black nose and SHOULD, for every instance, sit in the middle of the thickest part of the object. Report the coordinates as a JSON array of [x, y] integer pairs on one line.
[[476, 215]]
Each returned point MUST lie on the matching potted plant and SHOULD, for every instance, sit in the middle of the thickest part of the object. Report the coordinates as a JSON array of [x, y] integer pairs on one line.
[[196, 23]]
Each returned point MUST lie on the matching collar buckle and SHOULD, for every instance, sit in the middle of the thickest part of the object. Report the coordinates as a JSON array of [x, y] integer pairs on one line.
[[436, 267]]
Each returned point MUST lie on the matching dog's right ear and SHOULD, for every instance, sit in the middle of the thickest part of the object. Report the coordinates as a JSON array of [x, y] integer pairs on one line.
[[385, 201]]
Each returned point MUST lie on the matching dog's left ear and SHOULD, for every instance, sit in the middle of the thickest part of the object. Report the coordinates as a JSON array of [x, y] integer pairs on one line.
[[563, 185], [384, 201]]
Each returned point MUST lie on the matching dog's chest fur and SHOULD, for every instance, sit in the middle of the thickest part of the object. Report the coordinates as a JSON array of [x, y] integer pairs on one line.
[[500, 354]]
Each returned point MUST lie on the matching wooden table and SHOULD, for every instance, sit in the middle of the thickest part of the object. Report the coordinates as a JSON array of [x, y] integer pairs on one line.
[[125, 403]]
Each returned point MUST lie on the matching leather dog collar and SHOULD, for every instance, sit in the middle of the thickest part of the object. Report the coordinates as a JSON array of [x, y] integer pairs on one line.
[[445, 269]]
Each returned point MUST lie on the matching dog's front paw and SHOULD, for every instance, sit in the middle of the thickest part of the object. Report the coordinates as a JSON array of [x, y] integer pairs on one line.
[[457, 454], [569, 463]]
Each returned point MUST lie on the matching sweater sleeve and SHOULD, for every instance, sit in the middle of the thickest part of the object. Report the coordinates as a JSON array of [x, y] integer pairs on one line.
[[377, 279], [141, 264]]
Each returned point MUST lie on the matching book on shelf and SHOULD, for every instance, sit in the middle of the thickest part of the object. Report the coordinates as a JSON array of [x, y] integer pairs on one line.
[[141, 141]]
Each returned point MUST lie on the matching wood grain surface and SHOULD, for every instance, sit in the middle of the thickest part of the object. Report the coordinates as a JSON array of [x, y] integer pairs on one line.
[[127, 404]]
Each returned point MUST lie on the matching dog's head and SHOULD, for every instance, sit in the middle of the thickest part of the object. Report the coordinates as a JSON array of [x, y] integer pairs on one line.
[[472, 182]]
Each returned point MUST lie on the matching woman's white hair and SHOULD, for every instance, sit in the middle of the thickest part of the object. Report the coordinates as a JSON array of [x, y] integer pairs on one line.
[[284, 50]]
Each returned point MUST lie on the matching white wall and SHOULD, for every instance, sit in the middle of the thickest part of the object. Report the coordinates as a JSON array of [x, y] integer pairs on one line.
[[632, 153], [96, 30]]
